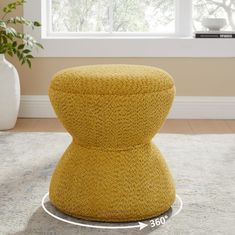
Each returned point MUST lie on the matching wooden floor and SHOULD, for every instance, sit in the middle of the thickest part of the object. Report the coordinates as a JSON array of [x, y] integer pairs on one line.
[[170, 126]]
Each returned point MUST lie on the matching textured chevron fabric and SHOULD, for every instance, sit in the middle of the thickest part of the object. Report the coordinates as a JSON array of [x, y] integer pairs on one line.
[[111, 171]]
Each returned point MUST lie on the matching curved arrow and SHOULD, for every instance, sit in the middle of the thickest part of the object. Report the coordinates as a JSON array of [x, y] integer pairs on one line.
[[181, 206], [140, 225]]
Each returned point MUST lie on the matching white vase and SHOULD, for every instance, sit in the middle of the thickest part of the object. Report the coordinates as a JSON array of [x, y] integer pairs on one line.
[[9, 94]]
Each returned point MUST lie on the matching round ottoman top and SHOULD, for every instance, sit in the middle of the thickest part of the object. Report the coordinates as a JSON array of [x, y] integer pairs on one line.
[[111, 79]]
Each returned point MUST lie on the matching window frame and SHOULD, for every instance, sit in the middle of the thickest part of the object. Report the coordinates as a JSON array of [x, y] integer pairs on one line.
[[180, 44]]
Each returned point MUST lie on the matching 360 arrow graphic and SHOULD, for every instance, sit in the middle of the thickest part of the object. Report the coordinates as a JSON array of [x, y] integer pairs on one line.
[[140, 225]]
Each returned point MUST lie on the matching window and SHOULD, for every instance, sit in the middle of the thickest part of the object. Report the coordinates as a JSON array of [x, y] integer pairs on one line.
[[129, 28], [112, 16]]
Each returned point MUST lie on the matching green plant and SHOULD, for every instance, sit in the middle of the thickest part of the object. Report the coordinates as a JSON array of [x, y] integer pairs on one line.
[[13, 42]]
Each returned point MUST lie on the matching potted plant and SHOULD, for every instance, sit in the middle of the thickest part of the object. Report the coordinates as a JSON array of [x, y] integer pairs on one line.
[[17, 44]]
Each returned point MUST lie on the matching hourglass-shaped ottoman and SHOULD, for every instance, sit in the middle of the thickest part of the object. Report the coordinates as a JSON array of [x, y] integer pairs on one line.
[[112, 171]]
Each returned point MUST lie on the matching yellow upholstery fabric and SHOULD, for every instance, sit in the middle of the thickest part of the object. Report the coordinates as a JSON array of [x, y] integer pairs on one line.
[[112, 171]]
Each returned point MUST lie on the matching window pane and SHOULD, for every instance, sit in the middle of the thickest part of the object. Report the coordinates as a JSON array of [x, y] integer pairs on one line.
[[214, 9], [154, 16], [80, 16], [144, 16]]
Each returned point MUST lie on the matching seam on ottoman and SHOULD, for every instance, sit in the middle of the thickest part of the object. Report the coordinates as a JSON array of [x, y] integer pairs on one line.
[[105, 149], [94, 94]]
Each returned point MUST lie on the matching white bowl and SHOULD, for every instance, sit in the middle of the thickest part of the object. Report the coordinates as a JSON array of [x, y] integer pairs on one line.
[[214, 24]]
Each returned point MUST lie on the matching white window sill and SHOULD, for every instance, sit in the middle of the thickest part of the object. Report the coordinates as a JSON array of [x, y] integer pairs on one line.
[[136, 47]]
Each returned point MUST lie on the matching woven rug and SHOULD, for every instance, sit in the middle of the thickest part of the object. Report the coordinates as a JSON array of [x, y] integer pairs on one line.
[[203, 167]]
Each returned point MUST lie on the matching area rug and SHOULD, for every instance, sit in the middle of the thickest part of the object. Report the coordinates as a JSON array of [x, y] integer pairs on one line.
[[203, 167]]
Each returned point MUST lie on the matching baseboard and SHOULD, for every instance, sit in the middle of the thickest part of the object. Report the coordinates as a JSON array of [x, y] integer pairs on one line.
[[36, 106], [184, 107], [203, 107]]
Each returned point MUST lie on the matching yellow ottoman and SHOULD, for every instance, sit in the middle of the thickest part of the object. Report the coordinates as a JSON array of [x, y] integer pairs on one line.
[[111, 171]]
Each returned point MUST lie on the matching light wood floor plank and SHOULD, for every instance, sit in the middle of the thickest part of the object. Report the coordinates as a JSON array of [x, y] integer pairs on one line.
[[176, 126], [38, 125], [25, 125], [50, 125], [231, 125], [210, 127]]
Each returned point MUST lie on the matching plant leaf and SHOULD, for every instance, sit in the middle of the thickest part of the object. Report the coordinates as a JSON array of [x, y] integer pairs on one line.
[[26, 51], [29, 63], [36, 23], [21, 46], [14, 44], [40, 45], [29, 56]]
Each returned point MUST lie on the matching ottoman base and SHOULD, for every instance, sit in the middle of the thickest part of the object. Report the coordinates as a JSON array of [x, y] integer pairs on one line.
[[110, 185]]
